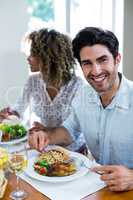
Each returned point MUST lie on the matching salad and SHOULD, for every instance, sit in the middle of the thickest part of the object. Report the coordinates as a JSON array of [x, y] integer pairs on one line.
[[10, 132], [41, 167]]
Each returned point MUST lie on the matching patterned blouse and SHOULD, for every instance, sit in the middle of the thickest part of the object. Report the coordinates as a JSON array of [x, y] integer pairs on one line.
[[51, 113]]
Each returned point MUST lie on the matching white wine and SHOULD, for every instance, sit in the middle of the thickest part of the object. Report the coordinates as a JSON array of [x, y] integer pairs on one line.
[[18, 162]]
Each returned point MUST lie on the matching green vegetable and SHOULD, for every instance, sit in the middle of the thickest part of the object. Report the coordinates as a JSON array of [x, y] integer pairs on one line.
[[42, 163], [15, 131]]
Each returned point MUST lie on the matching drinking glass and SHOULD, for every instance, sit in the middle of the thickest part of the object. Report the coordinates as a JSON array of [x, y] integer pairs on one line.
[[18, 161]]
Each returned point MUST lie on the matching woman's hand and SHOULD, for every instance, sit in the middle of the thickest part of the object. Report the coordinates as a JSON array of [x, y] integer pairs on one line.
[[6, 112], [39, 126], [117, 177]]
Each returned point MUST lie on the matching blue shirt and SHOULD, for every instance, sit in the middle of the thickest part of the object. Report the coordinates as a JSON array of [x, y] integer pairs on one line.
[[108, 131]]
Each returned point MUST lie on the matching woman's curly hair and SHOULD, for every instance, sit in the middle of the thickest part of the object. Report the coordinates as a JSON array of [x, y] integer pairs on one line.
[[55, 52]]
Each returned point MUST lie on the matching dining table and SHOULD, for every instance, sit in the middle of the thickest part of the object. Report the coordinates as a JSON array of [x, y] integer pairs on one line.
[[33, 194]]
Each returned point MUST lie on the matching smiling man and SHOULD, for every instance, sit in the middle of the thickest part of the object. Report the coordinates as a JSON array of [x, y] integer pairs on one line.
[[102, 109], [99, 60]]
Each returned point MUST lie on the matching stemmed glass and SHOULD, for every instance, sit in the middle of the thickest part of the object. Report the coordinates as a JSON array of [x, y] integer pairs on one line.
[[18, 161]]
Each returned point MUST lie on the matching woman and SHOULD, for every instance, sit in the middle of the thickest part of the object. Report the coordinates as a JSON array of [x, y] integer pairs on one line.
[[49, 93]]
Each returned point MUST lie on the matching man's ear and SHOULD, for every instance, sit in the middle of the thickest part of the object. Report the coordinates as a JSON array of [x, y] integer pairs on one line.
[[118, 59]]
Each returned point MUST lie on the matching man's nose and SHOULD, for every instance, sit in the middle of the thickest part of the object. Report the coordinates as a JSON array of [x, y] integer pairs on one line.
[[96, 69]]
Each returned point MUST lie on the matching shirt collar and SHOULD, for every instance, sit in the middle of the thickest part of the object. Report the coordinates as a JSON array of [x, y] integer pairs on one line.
[[121, 100]]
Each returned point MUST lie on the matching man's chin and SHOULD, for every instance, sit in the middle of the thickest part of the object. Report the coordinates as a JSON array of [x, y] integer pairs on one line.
[[100, 91]]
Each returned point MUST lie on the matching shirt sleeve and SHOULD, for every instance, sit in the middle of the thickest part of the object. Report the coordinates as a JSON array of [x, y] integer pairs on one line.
[[72, 125]]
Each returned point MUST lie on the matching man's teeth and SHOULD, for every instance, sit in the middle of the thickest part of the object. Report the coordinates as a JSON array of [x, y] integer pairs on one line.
[[98, 79]]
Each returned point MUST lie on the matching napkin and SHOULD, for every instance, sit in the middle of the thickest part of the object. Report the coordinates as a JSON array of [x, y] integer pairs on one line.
[[75, 189]]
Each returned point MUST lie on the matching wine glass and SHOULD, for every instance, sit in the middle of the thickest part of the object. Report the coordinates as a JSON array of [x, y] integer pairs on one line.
[[18, 162]]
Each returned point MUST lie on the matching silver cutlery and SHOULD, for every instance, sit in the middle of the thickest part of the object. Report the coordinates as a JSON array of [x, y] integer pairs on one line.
[[82, 164]]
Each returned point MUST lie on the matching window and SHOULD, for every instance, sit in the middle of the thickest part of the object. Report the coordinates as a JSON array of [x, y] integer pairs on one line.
[[41, 9], [72, 15]]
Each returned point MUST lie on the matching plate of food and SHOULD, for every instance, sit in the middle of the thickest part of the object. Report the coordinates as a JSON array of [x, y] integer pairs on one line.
[[56, 165], [12, 133]]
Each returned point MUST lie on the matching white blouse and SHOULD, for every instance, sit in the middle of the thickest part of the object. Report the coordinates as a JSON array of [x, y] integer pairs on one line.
[[52, 113]]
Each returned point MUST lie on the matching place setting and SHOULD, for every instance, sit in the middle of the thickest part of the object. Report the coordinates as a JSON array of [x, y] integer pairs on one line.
[[57, 170]]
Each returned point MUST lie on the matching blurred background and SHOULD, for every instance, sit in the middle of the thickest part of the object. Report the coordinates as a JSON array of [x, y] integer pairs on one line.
[[69, 16]]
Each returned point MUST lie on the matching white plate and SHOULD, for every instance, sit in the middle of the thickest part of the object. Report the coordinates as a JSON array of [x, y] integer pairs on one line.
[[16, 141], [81, 170]]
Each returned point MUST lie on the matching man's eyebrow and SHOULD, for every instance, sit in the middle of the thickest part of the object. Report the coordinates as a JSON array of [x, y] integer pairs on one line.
[[102, 57], [86, 61]]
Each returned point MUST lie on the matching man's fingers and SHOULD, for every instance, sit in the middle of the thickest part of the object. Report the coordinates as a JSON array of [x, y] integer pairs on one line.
[[42, 141], [115, 188], [110, 182], [38, 139], [31, 141], [107, 177], [117, 178], [105, 168], [35, 140]]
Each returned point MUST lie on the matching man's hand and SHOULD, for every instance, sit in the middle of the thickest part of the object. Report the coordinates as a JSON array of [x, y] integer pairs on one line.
[[38, 139], [41, 136], [117, 177]]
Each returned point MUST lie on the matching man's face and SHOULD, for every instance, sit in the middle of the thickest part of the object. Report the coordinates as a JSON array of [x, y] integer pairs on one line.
[[99, 67]]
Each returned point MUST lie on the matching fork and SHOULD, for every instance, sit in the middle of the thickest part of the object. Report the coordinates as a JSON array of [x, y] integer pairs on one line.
[[83, 164]]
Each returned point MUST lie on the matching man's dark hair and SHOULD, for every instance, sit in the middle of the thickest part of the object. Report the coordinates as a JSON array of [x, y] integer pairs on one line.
[[90, 36]]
